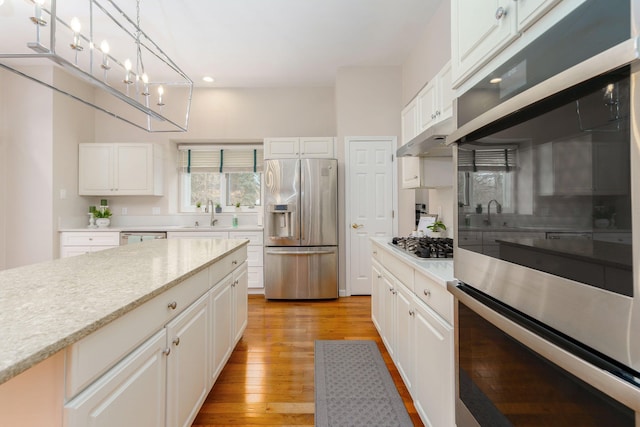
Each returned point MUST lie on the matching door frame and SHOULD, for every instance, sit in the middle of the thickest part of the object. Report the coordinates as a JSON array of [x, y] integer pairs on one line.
[[393, 145]]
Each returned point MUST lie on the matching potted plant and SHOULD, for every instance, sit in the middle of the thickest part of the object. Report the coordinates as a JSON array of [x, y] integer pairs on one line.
[[218, 208], [198, 206], [102, 217], [238, 206], [602, 216], [436, 228]]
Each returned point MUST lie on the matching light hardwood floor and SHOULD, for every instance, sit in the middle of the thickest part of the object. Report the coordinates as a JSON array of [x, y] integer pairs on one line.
[[269, 378]]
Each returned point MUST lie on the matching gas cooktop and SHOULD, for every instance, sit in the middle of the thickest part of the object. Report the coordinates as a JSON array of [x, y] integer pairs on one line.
[[425, 247]]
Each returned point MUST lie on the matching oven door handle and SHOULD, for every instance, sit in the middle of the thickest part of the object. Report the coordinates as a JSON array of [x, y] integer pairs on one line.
[[622, 54]]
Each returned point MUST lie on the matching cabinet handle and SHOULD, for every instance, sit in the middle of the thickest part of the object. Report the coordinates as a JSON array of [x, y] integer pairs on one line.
[[415, 177], [375, 252], [427, 292], [393, 291], [234, 283], [172, 305], [411, 313], [90, 238], [166, 351], [379, 276], [234, 262], [176, 341], [500, 13]]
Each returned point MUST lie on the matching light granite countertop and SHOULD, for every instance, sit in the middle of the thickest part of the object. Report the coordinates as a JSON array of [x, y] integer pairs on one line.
[[161, 228], [438, 269], [50, 305]]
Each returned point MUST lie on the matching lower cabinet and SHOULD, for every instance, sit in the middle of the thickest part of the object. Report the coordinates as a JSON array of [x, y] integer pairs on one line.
[[131, 394], [187, 363], [417, 332], [165, 380]]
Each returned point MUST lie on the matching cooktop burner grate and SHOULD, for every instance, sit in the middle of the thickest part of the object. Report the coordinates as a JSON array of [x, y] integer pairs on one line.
[[425, 247]]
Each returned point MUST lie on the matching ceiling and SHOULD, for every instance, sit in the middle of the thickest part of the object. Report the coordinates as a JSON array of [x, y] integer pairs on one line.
[[264, 43]]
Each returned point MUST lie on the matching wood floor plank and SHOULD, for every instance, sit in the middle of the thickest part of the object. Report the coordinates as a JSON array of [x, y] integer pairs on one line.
[[269, 379]]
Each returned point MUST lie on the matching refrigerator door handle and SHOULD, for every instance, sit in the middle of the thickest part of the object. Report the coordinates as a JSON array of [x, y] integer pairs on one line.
[[300, 253], [302, 201]]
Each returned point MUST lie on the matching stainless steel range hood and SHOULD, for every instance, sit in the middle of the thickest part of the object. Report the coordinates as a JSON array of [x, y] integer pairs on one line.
[[431, 142]]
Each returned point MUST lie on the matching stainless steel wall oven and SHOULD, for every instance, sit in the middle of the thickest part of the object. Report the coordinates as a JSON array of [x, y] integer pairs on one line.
[[546, 256]]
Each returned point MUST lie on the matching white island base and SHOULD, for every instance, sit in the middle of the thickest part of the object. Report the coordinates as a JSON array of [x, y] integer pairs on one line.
[[142, 357]]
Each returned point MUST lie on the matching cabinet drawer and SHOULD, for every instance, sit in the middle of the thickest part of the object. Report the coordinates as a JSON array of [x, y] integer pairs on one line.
[[254, 237], [107, 238], [399, 269], [93, 355], [226, 265], [255, 254], [467, 238], [435, 296]]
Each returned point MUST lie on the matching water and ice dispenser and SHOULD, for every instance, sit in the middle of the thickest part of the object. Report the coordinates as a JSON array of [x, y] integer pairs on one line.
[[281, 222]]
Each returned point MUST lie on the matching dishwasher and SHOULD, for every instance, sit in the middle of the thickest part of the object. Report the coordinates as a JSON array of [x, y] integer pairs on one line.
[[130, 237]]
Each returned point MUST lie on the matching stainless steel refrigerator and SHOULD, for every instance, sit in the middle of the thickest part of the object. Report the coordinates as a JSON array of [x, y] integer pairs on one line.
[[301, 229]]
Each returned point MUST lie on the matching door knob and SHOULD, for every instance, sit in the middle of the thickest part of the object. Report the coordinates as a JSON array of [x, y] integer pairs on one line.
[[500, 13], [356, 226]]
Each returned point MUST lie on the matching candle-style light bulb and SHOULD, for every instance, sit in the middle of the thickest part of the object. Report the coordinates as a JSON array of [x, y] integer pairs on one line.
[[145, 81], [127, 76], [104, 47], [160, 93], [37, 18], [76, 27]]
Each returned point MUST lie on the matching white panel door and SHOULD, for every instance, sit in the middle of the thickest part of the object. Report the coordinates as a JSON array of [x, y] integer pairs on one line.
[[369, 189]]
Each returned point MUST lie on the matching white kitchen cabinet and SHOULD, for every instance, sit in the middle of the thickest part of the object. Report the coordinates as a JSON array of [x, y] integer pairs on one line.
[[240, 302], [433, 104], [479, 30], [120, 169], [187, 363], [74, 243], [388, 332], [300, 147], [404, 324], [197, 234], [433, 380], [529, 11], [221, 312], [415, 324], [132, 394], [376, 294]]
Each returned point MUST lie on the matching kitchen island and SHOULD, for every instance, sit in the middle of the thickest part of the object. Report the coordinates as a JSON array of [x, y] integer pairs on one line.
[[85, 319]]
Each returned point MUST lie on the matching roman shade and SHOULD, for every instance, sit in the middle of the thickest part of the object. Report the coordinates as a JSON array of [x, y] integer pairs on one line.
[[220, 158]]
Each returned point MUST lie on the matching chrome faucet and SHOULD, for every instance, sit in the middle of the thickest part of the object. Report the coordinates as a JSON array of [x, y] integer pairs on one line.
[[211, 209], [498, 210]]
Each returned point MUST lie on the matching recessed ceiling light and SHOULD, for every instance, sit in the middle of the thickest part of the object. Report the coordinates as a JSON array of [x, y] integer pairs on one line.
[[495, 80], [208, 79]]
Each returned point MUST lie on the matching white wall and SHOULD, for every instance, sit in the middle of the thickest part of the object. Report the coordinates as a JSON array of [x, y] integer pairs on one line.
[[27, 170], [368, 103], [4, 128]]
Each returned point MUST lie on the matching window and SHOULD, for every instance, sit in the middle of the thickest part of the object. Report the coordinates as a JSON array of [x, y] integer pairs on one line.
[[225, 175], [486, 174]]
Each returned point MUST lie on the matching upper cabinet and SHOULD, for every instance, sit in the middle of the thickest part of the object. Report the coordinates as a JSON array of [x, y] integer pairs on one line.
[[303, 147], [435, 101], [120, 169], [480, 29]]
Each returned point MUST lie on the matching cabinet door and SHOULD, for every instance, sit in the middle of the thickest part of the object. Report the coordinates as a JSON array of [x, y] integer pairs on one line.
[[570, 176], [410, 172], [317, 147], [376, 294], [480, 29], [433, 385], [529, 11], [404, 314], [427, 105], [610, 169], [131, 394], [281, 148], [240, 302], [409, 118], [388, 306], [187, 364], [447, 94], [134, 169], [220, 310], [95, 169]]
